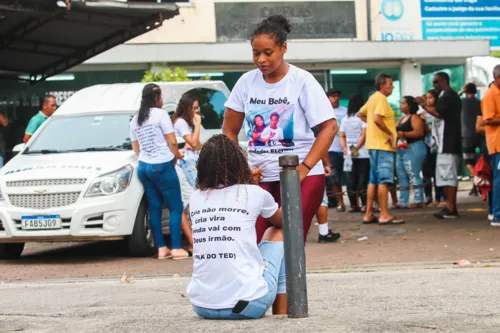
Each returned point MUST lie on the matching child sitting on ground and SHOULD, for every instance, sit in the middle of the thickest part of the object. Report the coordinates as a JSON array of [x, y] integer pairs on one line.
[[233, 278]]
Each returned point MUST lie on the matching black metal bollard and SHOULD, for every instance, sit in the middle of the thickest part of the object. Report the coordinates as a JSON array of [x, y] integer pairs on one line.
[[295, 257]]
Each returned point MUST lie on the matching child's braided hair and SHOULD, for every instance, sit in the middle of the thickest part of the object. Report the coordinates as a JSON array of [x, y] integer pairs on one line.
[[221, 164]]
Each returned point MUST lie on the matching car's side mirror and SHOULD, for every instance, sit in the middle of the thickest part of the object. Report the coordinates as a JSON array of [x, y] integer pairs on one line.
[[18, 148]]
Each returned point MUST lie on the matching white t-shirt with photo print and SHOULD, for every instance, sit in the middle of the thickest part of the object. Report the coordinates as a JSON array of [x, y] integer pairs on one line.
[[300, 103], [228, 265]]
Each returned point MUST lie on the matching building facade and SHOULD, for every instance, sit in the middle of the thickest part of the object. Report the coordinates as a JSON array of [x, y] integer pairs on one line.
[[343, 43]]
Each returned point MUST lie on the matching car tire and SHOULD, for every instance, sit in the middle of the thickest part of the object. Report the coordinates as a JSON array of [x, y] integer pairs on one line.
[[140, 243], [11, 250]]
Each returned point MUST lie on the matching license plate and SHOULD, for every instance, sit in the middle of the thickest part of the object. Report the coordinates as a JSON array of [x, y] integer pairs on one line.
[[41, 222]]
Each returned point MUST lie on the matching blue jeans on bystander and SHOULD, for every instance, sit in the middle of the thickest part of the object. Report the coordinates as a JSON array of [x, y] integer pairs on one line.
[[160, 182], [409, 165], [495, 194]]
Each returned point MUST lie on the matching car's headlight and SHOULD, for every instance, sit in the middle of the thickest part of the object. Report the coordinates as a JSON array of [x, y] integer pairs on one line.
[[111, 183]]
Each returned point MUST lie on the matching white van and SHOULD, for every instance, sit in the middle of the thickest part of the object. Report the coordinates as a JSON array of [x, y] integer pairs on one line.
[[76, 178]]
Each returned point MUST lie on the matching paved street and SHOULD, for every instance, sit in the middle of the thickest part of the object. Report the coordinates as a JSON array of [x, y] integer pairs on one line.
[[413, 300], [421, 239]]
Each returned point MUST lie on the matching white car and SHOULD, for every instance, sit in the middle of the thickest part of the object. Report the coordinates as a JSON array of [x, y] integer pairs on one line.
[[76, 178]]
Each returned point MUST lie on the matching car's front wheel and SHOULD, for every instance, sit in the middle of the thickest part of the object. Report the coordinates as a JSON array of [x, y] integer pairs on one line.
[[11, 250], [141, 243]]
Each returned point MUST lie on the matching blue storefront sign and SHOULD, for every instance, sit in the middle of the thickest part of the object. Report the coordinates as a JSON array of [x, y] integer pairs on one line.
[[461, 19]]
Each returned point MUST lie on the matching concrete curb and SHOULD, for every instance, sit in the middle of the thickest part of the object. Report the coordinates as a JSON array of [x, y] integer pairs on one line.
[[318, 271]]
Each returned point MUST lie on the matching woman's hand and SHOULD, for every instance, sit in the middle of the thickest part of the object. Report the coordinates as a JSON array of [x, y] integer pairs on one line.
[[328, 170], [256, 175], [197, 118], [304, 171]]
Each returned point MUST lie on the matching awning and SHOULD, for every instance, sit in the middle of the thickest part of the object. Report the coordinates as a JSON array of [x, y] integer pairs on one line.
[[41, 38]]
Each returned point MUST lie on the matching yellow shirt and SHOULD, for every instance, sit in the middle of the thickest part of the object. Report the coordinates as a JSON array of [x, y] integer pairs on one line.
[[375, 137]]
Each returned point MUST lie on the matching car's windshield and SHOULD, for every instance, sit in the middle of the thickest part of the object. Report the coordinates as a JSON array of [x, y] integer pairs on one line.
[[96, 132]]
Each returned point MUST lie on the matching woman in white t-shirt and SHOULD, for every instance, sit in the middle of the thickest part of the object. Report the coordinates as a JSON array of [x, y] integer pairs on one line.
[[153, 140], [352, 139], [290, 99], [187, 124], [233, 278]]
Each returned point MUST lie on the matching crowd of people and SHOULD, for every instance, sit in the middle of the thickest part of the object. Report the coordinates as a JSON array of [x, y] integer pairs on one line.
[[235, 219]]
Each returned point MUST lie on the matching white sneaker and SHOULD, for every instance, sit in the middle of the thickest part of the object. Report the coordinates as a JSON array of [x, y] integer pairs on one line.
[[495, 224], [490, 217]]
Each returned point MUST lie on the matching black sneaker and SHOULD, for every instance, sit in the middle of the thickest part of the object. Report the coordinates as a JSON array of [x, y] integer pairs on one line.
[[445, 214], [329, 238], [473, 192]]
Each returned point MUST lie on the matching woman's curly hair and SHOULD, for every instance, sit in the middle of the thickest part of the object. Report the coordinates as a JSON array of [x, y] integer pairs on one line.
[[221, 164]]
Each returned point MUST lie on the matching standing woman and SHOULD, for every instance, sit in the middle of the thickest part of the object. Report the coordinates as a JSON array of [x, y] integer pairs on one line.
[[294, 95], [352, 139], [411, 153], [430, 164], [187, 124], [153, 140]]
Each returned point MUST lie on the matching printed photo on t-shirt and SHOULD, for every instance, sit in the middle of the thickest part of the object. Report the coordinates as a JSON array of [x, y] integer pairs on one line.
[[270, 125]]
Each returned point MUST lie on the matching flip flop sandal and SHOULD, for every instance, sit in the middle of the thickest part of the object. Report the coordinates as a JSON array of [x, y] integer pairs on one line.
[[372, 221], [181, 257], [392, 222], [340, 209], [400, 207], [162, 257], [354, 210]]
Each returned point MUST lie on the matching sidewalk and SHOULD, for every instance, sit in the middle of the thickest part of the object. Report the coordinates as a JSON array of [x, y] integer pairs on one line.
[[422, 239], [416, 300]]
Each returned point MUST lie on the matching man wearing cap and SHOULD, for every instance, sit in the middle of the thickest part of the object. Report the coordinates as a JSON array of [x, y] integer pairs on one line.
[[336, 152]]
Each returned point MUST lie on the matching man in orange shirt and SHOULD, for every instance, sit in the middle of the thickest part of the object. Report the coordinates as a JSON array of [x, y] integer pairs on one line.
[[491, 117]]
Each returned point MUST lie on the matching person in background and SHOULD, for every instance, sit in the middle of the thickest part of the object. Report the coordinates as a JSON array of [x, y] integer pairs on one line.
[[448, 128], [411, 153], [235, 279], [49, 106], [480, 130], [352, 138], [4, 122], [471, 107], [276, 86], [153, 140], [429, 169], [381, 144], [335, 152], [187, 125], [491, 118]]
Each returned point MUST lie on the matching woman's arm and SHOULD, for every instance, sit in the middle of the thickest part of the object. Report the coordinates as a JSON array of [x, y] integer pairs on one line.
[[480, 124], [172, 143], [231, 126], [327, 131], [362, 139], [136, 147], [418, 128], [343, 142]]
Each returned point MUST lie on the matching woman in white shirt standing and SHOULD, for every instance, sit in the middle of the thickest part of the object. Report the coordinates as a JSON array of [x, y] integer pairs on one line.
[[352, 139], [187, 124], [290, 99], [233, 278], [153, 140]]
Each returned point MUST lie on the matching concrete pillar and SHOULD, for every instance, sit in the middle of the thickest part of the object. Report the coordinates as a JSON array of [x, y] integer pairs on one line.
[[411, 81]]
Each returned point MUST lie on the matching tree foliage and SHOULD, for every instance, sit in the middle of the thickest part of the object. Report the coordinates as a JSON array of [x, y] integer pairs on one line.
[[178, 74]]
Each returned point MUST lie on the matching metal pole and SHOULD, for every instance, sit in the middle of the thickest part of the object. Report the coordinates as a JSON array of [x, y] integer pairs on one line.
[[295, 257], [369, 19]]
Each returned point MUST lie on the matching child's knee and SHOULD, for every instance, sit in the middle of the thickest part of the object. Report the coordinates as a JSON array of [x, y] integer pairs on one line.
[[273, 234]]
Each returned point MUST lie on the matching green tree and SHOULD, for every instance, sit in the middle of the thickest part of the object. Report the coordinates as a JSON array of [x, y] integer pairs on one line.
[[168, 75]]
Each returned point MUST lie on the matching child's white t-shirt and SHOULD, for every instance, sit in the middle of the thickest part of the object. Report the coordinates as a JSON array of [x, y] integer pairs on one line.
[[228, 266]]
